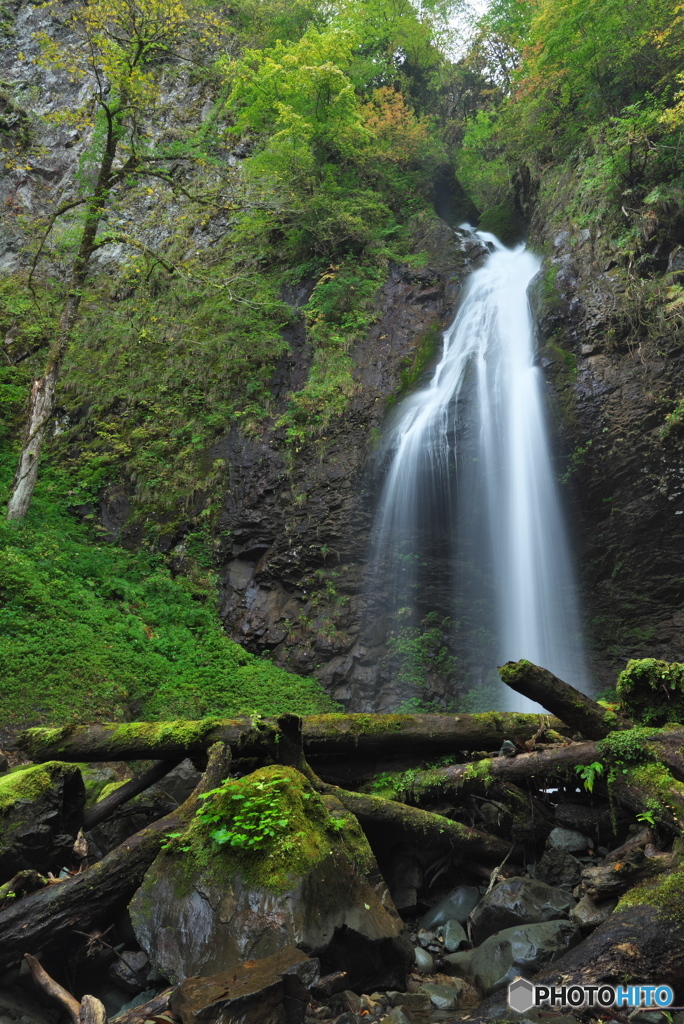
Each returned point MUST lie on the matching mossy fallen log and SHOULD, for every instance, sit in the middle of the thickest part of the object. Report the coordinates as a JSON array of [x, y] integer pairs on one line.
[[331, 734], [391, 819], [42, 920], [573, 707]]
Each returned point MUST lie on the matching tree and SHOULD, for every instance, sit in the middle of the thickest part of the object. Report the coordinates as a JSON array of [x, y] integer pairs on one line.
[[118, 47]]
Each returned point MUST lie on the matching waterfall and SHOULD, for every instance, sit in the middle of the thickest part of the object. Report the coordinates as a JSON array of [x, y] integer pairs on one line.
[[470, 503]]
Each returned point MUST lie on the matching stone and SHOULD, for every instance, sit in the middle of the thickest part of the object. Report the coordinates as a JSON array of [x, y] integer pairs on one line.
[[423, 960], [396, 1016], [41, 812], [459, 964], [522, 950], [457, 906], [567, 839], [558, 867], [418, 1001], [197, 913], [442, 997], [349, 1000], [425, 938], [274, 990], [453, 934], [586, 914], [518, 901], [128, 971]]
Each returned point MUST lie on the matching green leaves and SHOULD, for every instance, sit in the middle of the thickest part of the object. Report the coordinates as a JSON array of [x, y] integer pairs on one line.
[[253, 815], [589, 773]]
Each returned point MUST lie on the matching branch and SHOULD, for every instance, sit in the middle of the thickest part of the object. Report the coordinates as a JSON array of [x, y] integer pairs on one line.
[[53, 988]]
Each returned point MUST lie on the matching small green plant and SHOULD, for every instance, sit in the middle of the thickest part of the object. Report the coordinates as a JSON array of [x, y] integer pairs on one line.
[[246, 818], [589, 773], [648, 817]]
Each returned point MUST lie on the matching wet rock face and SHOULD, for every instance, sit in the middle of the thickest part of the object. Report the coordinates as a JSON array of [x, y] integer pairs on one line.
[[294, 554], [616, 379], [41, 811]]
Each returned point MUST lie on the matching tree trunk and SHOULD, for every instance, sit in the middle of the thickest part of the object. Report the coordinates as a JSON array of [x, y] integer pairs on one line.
[[105, 808], [45, 919], [577, 710], [330, 734]]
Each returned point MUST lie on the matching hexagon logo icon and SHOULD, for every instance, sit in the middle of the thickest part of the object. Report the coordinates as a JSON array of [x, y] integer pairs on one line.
[[521, 995]]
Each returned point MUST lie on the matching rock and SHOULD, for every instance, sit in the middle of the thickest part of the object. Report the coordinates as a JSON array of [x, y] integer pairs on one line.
[[586, 914], [459, 964], [418, 1001], [405, 878], [349, 1001], [41, 811], [423, 960], [442, 997], [18, 1007], [370, 1005], [425, 938], [128, 971], [274, 990], [518, 901], [396, 1016], [568, 840], [520, 951], [643, 1016], [454, 935], [4, 763], [557, 867], [457, 906], [315, 885]]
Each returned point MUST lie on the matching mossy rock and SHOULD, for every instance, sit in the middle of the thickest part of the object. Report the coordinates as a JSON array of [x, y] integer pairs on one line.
[[503, 221], [652, 691], [311, 880], [41, 811]]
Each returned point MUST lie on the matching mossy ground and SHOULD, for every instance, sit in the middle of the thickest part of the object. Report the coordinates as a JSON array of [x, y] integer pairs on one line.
[[91, 631], [31, 783], [652, 691]]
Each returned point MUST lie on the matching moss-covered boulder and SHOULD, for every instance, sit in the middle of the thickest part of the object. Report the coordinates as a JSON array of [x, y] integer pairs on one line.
[[41, 811], [265, 864], [652, 691]]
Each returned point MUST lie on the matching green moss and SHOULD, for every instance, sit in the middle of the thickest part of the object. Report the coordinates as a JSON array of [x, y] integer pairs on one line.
[[415, 365], [482, 771], [360, 724], [31, 783], [110, 787], [502, 220], [303, 832], [665, 892], [652, 691]]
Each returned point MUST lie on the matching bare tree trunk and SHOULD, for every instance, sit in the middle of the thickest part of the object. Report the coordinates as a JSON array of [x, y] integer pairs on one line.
[[42, 399]]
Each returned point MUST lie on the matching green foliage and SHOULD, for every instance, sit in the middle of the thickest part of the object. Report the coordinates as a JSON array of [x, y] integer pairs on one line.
[[247, 818], [420, 650], [652, 691], [89, 630], [589, 773]]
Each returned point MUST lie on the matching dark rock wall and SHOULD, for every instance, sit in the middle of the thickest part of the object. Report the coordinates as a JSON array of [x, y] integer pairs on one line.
[[614, 356], [294, 532]]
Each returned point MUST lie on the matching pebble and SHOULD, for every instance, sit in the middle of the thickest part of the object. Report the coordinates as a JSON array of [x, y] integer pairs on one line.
[[424, 961]]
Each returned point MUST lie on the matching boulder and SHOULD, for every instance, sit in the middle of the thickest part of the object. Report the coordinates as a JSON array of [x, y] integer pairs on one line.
[[587, 915], [567, 839], [311, 880], [274, 990], [518, 901], [41, 811], [558, 867], [512, 952], [453, 935], [457, 906]]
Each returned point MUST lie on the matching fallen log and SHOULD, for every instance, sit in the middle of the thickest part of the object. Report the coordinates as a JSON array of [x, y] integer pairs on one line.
[[578, 711], [44, 919], [331, 734], [104, 809], [391, 818]]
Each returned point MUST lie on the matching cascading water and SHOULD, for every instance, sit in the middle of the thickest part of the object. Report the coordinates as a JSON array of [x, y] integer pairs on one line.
[[471, 484]]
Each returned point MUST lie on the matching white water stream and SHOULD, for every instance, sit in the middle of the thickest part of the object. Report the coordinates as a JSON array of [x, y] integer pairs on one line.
[[470, 455]]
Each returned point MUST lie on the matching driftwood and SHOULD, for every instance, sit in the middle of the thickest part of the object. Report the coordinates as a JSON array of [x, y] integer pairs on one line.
[[53, 989], [122, 794], [43, 919], [578, 711], [92, 1011], [330, 734]]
